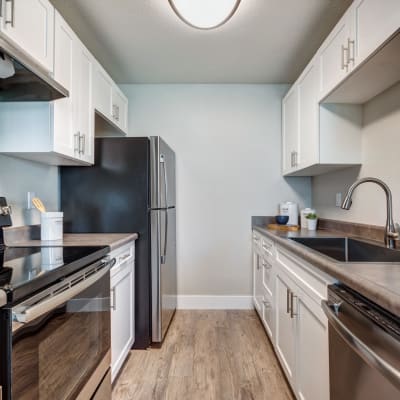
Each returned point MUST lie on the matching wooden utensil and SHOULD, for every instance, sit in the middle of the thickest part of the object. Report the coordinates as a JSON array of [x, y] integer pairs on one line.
[[276, 227], [38, 204]]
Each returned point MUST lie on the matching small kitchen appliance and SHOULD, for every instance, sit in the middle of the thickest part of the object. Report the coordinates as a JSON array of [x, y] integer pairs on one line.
[[290, 209]]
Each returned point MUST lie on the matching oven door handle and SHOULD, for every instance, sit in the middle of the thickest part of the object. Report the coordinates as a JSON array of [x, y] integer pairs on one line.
[[27, 314], [362, 349]]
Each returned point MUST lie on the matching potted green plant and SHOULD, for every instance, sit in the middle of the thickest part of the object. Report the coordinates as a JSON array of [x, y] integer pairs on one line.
[[312, 221]]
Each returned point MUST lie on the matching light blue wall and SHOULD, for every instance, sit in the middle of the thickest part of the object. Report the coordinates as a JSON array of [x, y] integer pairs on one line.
[[17, 177]]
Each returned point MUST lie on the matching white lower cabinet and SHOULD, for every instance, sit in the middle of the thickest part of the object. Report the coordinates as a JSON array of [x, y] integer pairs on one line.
[[257, 278], [285, 328], [312, 352], [289, 304], [122, 307]]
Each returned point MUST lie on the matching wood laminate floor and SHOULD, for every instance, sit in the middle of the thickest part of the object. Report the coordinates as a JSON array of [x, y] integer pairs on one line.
[[207, 355]]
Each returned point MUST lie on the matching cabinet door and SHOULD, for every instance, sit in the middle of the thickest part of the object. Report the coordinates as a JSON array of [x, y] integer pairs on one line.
[[290, 129], [334, 56], [85, 108], [285, 327], [30, 25], [122, 314], [268, 315], [312, 372], [373, 23], [308, 87], [102, 92], [119, 109], [65, 72], [257, 281]]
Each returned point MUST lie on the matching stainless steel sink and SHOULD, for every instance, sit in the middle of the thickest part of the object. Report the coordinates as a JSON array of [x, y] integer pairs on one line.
[[350, 250]]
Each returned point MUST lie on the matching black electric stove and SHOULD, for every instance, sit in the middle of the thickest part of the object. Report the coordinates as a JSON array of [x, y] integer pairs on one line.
[[26, 270]]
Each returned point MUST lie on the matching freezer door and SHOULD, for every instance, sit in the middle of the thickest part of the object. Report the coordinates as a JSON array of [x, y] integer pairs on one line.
[[163, 269], [162, 170]]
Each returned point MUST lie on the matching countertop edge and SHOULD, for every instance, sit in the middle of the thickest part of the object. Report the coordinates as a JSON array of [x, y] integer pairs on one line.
[[377, 293], [112, 240]]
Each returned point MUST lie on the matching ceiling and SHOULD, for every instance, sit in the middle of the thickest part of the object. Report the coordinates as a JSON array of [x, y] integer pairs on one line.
[[143, 41]]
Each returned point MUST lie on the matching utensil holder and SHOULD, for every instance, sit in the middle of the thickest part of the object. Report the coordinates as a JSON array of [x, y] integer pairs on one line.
[[51, 227]]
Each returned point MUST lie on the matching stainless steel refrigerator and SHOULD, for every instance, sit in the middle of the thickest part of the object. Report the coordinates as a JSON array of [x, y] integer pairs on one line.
[[131, 188]]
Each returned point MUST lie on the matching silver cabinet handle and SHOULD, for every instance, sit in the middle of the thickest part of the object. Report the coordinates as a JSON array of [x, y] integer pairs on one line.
[[117, 113], [113, 304], [266, 265], [345, 58], [287, 300], [295, 159], [124, 257], [10, 21], [351, 51], [76, 142], [266, 303], [391, 372], [83, 143], [292, 313]]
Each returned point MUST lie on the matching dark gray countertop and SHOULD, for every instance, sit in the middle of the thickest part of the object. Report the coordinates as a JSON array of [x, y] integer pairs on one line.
[[379, 282], [113, 240]]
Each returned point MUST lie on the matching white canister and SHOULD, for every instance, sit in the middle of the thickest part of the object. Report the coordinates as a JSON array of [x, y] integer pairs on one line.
[[303, 219], [51, 225], [312, 224], [292, 210]]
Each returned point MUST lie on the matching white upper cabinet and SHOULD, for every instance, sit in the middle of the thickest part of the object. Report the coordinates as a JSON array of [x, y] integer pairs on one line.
[[30, 25], [60, 132], [322, 112], [308, 88], [65, 140], [374, 21], [119, 109], [359, 59], [108, 100], [85, 112], [102, 91], [334, 55], [290, 130]]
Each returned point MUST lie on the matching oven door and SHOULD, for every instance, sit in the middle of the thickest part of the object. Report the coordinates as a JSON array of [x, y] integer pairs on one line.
[[59, 342]]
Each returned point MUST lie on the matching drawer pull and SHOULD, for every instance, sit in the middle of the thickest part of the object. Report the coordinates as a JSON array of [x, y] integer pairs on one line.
[[124, 257], [266, 265], [266, 303]]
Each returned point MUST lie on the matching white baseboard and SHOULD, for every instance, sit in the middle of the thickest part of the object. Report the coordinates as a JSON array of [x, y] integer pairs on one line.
[[204, 302]]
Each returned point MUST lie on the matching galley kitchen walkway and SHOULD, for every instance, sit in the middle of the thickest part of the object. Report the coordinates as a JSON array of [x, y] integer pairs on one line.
[[207, 355]]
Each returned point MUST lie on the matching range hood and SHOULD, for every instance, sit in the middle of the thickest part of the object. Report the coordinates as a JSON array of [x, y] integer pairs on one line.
[[24, 79]]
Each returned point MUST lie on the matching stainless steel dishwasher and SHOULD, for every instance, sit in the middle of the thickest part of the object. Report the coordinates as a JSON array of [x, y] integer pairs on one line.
[[364, 348]]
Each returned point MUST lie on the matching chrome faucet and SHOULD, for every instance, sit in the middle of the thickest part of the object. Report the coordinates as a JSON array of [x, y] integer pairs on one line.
[[391, 232]]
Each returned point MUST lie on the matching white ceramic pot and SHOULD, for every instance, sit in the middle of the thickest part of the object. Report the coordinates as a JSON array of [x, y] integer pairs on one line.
[[312, 224]]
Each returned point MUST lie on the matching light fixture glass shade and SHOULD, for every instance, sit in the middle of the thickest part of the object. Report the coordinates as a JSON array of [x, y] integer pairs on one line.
[[204, 14]]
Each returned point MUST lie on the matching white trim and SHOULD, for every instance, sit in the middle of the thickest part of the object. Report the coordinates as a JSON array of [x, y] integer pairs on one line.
[[204, 302]]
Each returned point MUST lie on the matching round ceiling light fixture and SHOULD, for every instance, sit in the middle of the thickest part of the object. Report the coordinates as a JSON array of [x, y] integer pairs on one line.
[[204, 14]]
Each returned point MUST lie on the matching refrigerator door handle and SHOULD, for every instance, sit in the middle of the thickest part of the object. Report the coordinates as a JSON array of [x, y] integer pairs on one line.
[[164, 255], [162, 161]]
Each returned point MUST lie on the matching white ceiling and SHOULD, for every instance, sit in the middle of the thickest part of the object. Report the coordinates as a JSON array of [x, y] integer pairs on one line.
[[143, 41]]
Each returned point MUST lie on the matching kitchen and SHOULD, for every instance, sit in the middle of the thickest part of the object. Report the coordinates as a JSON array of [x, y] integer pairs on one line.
[[163, 139]]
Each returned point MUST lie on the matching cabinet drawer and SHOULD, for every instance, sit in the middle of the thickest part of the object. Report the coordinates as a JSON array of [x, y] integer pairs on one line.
[[267, 275], [123, 255], [313, 281], [267, 247], [267, 314], [256, 240]]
